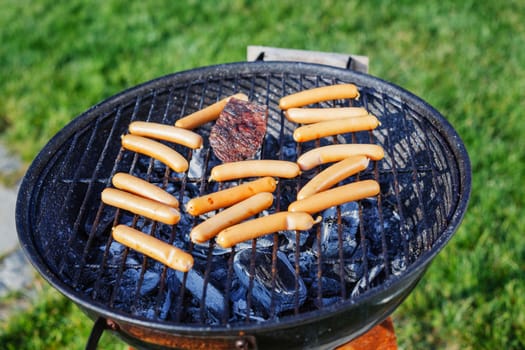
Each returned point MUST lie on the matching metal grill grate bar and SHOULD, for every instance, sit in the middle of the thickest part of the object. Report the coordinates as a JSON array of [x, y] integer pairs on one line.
[[178, 101]]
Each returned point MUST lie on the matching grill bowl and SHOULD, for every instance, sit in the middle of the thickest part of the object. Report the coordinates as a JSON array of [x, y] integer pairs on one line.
[[425, 177]]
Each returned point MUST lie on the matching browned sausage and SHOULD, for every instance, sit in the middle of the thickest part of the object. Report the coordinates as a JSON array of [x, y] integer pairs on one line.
[[264, 225], [154, 248], [335, 196], [229, 196], [207, 114], [165, 132], [156, 150], [230, 216], [141, 206], [334, 127], [314, 95], [333, 174], [335, 153]]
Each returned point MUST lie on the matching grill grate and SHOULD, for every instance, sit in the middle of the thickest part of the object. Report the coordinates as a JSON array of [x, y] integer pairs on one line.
[[417, 200]]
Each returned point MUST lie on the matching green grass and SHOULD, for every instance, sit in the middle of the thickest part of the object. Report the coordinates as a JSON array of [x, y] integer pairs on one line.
[[466, 58], [53, 322]]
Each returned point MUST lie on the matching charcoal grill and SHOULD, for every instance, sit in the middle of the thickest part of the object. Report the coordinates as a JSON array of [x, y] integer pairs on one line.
[[343, 277]]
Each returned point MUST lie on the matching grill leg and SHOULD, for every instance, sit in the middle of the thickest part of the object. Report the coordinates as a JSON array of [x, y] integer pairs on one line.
[[98, 328]]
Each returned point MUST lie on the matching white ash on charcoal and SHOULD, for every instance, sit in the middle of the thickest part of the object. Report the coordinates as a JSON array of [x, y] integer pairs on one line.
[[291, 240], [398, 264], [134, 289], [199, 288], [149, 281], [283, 291], [338, 232], [368, 279], [240, 305], [202, 249], [198, 163]]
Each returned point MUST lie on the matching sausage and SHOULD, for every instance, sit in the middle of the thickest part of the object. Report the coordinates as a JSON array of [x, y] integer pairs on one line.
[[143, 188], [165, 132], [335, 153], [333, 174], [323, 93], [252, 168], [141, 206], [335, 196], [230, 216], [206, 114], [229, 196], [173, 159], [314, 115], [334, 127], [152, 247], [264, 225]]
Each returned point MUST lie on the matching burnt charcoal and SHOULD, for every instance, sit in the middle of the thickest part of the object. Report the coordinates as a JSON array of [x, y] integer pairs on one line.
[[239, 131], [201, 250], [270, 146], [290, 240], [150, 280], [283, 291], [289, 149], [365, 282], [104, 224], [398, 265], [262, 242], [288, 194], [353, 271], [307, 265], [214, 301], [330, 287], [165, 310], [330, 243], [238, 297]]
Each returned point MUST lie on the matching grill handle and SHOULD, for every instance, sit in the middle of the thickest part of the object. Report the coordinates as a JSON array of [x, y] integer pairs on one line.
[[265, 53]]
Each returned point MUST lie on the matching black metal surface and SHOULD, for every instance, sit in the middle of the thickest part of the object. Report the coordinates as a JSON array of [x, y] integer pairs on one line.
[[64, 229]]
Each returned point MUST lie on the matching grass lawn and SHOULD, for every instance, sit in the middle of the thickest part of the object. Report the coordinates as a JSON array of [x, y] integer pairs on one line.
[[466, 58]]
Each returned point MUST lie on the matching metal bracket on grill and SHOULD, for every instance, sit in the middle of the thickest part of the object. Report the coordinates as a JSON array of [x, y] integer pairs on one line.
[[266, 53]]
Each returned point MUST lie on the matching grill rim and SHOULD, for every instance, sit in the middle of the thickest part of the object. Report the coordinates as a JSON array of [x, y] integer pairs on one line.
[[28, 191]]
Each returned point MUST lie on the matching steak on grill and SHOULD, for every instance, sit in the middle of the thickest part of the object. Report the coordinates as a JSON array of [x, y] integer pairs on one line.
[[239, 131]]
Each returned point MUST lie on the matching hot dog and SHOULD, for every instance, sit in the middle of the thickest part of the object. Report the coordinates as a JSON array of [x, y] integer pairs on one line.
[[333, 174], [323, 93], [315, 115], [207, 114], [141, 206], [253, 168], [334, 127], [156, 150], [229, 196], [165, 132], [143, 188], [264, 225], [336, 196], [230, 216], [335, 153], [154, 248]]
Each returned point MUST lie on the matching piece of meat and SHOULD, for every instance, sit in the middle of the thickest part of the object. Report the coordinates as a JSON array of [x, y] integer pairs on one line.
[[239, 131]]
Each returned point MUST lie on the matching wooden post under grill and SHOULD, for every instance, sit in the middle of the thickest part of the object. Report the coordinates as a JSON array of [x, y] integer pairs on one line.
[[381, 337]]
